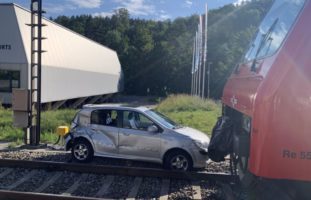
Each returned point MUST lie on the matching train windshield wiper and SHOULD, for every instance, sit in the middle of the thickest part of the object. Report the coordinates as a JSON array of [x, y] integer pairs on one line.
[[264, 38]]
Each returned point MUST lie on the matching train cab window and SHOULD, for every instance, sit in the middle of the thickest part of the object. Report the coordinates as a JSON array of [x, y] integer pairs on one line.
[[9, 80], [274, 28]]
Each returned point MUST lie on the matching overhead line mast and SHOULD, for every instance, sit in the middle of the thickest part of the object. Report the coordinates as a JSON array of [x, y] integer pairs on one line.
[[35, 72]]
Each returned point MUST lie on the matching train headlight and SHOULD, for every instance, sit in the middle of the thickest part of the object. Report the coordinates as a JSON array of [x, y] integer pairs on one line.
[[247, 124]]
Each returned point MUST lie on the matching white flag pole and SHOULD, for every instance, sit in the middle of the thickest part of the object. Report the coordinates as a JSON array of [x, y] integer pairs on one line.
[[196, 64], [200, 54], [205, 50], [192, 69]]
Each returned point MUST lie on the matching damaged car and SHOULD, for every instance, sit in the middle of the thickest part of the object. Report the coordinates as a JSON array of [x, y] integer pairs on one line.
[[135, 133]]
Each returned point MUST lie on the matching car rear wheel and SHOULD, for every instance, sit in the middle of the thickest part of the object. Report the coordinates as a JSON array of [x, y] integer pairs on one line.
[[82, 151], [178, 160]]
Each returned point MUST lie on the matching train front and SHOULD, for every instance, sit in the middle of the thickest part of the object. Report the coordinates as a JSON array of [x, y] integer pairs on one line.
[[268, 96]]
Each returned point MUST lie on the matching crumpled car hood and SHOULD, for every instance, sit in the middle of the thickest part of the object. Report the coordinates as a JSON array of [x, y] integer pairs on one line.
[[193, 134]]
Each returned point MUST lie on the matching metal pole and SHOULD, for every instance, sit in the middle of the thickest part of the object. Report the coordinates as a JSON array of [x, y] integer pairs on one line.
[[192, 69], [208, 79], [38, 127], [195, 83], [32, 85], [35, 76], [205, 50], [203, 85], [196, 64], [192, 83], [200, 56]]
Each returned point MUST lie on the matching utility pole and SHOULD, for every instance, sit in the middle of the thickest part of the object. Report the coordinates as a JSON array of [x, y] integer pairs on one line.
[[35, 71]]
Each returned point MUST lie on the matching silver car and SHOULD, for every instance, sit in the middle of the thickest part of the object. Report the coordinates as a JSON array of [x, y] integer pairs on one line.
[[136, 133]]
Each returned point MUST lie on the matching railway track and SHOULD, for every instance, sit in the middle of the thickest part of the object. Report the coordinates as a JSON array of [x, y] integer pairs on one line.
[[43, 180]]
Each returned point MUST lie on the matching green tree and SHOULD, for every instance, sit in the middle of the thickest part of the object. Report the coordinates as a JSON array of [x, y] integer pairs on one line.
[[156, 56]]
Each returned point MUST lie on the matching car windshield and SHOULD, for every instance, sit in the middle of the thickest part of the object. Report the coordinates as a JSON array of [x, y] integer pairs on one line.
[[164, 120]]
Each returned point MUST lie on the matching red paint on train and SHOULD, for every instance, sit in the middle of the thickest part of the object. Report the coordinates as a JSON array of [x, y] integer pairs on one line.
[[276, 95]]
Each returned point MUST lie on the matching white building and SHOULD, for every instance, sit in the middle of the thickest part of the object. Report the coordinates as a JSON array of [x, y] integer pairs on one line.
[[73, 66]]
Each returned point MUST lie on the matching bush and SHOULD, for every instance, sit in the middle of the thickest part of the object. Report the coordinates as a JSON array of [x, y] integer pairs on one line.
[[52, 119], [7, 131], [191, 111], [180, 103]]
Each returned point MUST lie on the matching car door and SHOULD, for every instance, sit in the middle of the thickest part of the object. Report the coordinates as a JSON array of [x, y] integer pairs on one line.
[[134, 138], [104, 126]]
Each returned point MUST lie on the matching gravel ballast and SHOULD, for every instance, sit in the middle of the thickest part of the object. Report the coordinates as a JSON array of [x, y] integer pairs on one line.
[[150, 188], [120, 187], [63, 183], [12, 177], [90, 185]]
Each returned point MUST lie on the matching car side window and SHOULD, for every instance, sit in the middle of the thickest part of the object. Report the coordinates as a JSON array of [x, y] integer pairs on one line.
[[135, 120], [105, 117]]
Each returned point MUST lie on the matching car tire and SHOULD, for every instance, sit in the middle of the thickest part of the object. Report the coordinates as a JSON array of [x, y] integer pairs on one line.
[[82, 151], [178, 161]]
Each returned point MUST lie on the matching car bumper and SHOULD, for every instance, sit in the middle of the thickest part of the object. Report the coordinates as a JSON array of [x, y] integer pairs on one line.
[[200, 159], [68, 142]]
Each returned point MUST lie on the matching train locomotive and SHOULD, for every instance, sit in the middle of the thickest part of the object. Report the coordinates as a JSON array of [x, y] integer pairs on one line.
[[267, 99]]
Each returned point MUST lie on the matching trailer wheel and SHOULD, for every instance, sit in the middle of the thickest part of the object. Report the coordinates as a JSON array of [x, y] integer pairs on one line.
[[82, 151]]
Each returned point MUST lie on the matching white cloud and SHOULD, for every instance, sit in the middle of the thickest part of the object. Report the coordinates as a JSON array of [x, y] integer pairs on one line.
[[240, 2], [189, 2], [86, 3], [164, 17], [103, 14], [137, 7], [55, 8]]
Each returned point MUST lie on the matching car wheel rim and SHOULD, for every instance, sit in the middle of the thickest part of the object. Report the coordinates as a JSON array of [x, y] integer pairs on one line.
[[81, 151], [179, 162]]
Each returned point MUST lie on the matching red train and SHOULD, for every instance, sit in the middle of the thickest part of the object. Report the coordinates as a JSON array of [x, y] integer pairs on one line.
[[268, 97]]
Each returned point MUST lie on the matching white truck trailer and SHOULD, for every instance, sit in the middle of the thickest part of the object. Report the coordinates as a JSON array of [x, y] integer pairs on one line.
[[74, 67]]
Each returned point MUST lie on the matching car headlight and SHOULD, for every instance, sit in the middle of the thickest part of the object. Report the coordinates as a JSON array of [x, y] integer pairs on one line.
[[200, 145]]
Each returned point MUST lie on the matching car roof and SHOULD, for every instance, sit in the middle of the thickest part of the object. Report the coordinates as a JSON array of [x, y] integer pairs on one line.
[[115, 106]]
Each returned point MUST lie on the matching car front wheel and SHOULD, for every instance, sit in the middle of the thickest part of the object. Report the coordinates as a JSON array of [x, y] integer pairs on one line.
[[82, 151], [179, 161]]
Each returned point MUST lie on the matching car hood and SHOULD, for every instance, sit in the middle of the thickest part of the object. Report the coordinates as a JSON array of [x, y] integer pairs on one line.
[[193, 134]]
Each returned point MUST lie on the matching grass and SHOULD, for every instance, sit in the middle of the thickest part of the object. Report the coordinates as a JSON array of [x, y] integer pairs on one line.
[[49, 123], [184, 109], [51, 120], [181, 102], [191, 111], [7, 131]]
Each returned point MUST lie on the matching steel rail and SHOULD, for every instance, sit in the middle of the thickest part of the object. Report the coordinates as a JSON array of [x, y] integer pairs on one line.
[[117, 170]]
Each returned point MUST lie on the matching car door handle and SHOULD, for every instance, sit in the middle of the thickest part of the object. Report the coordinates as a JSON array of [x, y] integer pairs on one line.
[[126, 134]]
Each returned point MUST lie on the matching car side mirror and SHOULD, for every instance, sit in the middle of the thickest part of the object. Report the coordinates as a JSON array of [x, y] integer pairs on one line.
[[153, 129]]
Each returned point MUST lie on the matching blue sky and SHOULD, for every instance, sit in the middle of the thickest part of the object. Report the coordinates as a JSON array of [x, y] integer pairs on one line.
[[147, 9]]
